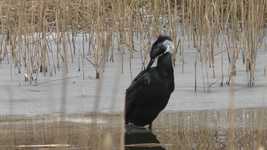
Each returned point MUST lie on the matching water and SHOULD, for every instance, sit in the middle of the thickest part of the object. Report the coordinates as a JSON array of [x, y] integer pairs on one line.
[[209, 130]]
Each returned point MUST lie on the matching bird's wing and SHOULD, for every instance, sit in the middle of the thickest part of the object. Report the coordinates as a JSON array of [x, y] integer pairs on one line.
[[140, 74], [141, 80], [133, 91]]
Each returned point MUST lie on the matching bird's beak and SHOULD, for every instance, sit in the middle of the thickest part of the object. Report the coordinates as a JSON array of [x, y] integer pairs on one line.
[[150, 63], [156, 51]]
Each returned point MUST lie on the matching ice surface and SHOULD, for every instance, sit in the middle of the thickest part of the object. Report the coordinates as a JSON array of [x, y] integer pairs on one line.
[[48, 95]]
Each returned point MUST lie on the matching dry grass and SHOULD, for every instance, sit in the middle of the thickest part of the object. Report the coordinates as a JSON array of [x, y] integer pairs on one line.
[[227, 28], [42, 35], [49, 132], [209, 130]]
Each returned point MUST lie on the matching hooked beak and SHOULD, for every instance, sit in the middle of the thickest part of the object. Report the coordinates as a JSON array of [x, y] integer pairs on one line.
[[150, 63], [156, 51]]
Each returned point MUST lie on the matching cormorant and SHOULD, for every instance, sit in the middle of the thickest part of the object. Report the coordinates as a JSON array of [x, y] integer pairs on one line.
[[150, 91]]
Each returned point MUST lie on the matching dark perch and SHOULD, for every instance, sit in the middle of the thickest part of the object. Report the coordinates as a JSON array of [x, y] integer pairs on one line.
[[150, 91], [137, 138]]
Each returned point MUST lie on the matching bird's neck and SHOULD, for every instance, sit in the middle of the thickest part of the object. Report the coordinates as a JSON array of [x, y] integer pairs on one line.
[[165, 65]]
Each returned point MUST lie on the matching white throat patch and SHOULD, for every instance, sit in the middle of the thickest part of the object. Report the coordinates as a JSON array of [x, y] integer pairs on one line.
[[169, 46]]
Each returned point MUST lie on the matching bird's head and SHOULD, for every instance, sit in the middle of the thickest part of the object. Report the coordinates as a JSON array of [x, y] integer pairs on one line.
[[162, 45]]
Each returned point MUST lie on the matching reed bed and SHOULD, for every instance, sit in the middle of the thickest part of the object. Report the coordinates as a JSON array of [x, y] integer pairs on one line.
[[232, 29], [40, 36], [210, 129]]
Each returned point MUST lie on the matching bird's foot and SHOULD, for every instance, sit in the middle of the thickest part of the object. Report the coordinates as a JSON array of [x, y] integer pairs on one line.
[[131, 125]]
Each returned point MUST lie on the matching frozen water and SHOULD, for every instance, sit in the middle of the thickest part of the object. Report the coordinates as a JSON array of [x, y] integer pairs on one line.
[[76, 92]]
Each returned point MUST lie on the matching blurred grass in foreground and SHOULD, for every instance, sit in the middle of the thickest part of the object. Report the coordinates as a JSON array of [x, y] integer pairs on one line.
[[75, 132], [209, 130]]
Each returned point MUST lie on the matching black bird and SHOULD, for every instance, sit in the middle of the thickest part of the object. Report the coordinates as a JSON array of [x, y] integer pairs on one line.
[[150, 91]]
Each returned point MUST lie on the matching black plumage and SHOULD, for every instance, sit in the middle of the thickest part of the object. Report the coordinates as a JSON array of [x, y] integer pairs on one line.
[[150, 91]]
